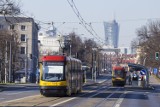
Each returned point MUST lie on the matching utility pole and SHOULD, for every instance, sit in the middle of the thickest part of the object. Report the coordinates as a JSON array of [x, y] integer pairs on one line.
[[26, 61], [70, 49], [33, 74], [92, 65], [95, 68], [6, 61], [10, 63]]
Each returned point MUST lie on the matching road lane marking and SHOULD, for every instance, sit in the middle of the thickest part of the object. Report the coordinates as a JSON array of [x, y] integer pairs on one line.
[[69, 99], [19, 99], [63, 102], [120, 100], [105, 99], [14, 93], [17, 93], [79, 96]]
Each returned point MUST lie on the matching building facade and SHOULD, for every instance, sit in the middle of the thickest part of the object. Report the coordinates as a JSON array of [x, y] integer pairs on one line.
[[49, 44], [111, 34], [27, 31]]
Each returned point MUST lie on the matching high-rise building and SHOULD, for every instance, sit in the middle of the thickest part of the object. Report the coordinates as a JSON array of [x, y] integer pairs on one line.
[[111, 34]]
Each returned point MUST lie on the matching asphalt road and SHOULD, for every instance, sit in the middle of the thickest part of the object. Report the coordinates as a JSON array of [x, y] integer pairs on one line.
[[13, 92], [95, 95]]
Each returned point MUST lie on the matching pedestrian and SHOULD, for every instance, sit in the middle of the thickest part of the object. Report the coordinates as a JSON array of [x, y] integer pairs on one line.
[[130, 80], [150, 73]]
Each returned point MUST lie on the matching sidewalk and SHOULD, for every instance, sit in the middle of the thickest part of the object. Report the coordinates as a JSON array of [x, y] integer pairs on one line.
[[154, 81], [16, 86]]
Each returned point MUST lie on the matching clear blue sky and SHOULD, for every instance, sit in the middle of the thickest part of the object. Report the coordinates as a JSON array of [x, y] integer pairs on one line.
[[130, 14]]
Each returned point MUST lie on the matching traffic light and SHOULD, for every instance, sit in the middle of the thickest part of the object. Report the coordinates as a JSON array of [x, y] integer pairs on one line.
[[157, 55]]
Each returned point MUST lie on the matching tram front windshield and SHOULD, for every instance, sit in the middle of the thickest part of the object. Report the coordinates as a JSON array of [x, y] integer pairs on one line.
[[53, 71], [118, 73]]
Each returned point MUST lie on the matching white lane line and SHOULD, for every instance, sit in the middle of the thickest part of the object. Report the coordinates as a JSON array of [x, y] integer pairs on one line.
[[63, 102], [17, 93], [77, 97], [19, 99], [105, 99], [14, 93], [120, 100], [69, 99]]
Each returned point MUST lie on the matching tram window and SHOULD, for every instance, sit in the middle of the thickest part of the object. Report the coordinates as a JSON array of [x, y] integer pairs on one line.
[[118, 73], [53, 77], [53, 73]]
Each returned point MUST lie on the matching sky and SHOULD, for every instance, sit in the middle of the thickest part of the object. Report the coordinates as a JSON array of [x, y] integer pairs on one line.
[[130, 15]]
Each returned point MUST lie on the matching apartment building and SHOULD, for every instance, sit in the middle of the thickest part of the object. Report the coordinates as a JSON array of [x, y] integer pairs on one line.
[[27, 31]]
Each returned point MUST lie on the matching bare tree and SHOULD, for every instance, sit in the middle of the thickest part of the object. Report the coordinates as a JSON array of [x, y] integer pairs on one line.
[[8, 38], [9, 7], [148, 37], [81, 50]]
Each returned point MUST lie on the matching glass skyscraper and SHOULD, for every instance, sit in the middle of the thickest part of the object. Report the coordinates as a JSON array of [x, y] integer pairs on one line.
[[111, 33]]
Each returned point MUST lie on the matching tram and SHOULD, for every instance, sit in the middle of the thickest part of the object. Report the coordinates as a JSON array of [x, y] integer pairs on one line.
[[118, 75], [60, 75]]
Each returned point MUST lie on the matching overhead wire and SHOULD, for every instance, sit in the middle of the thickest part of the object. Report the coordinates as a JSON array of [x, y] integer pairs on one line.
[[45, 23], [83, 22]]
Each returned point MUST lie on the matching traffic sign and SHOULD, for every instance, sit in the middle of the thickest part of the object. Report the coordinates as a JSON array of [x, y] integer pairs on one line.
[[143, 72]]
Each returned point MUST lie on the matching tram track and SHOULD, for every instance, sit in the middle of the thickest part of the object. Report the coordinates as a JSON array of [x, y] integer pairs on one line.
[[111, 97], [40, 100], [110, 91], [91, 94]]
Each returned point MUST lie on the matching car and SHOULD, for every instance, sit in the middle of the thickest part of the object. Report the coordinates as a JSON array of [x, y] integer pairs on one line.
[[135, 77]]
